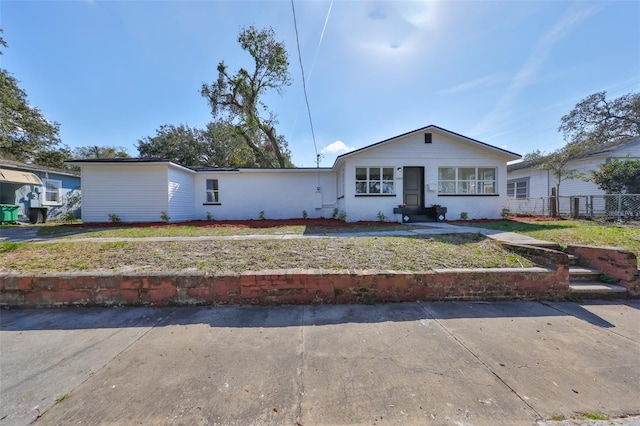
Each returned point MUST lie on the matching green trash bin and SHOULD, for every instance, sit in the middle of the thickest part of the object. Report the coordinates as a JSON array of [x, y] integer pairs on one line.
[[9, 213]]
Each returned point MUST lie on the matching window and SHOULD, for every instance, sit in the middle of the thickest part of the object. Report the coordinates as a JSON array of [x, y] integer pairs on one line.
[[466, 180], [374, 181], [518, 188], [52, 192], [213, 196]]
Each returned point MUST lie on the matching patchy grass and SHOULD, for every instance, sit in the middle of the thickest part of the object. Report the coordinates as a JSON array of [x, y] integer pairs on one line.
[[7, 246], [218, 256], [565, 232], [62, 398], [173, 230]]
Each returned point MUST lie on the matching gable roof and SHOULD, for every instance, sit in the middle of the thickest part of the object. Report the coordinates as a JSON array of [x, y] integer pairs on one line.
[[17, 165], [422, 129], [604, 148]]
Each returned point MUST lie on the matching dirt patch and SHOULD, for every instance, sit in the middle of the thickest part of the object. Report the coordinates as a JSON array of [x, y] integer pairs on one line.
[[251, 223]]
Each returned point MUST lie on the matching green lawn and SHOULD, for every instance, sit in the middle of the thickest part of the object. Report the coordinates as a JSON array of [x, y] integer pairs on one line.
[[565, 232]]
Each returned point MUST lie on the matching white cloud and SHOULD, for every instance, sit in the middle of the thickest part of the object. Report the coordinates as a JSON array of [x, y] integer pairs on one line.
[[338, 147]]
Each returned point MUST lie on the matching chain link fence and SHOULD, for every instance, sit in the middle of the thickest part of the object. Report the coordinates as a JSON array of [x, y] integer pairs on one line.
[[611, 206]]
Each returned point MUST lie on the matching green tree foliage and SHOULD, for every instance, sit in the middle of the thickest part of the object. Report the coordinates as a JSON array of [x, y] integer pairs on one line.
[[217, 144], [181, 144], [236, 99], [618, 176], [595, 119], [25, 134], [98, 152], [53, 157]]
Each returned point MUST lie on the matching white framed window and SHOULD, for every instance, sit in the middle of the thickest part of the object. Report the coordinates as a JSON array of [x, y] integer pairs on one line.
[[518, 188], [467, 180], [213, 195], [52, 192], [375, 181]]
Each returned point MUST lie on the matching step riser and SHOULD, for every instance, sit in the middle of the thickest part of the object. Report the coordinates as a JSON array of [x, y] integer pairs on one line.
[[584, 276]]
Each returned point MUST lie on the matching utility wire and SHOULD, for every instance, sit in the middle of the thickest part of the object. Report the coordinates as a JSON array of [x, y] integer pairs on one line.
[[304, 85]]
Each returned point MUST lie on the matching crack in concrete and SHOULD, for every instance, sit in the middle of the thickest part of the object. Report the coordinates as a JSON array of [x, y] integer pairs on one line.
[[491, 370]]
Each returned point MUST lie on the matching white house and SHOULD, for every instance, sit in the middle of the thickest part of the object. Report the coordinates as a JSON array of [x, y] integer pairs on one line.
[[526, 180], [400, 178]]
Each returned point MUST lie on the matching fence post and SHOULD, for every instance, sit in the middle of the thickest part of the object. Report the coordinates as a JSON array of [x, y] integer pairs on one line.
[[576, 207], [619, 205], [553, 206]]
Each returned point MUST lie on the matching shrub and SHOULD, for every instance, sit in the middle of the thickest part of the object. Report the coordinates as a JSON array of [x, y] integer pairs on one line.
[[165, 217], [464, 216], [334, 214], [342, 216], [261, 215], [505, 213], [304, 214], [114, 218], [381, 216], [69, 217], [209, 216]]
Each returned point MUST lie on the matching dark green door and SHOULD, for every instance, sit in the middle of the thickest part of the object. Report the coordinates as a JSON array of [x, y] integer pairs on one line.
[[413, 190]]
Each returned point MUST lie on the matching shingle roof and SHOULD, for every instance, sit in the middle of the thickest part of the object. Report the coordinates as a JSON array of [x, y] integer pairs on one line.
[[12, 164]]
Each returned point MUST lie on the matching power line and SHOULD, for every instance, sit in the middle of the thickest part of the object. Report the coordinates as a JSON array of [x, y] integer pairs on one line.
[[304, 85]]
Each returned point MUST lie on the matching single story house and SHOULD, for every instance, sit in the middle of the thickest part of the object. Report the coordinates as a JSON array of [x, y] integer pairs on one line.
[[527, 180], [41, 193], [402, 178]]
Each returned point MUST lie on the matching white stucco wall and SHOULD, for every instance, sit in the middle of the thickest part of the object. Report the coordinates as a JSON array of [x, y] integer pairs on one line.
[[280, 194], [181, 194], [411, 151], [136, 192]]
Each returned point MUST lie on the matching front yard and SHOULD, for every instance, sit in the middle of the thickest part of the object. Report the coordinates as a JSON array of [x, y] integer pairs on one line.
[[218, 256], [578, 232], [326, 251]]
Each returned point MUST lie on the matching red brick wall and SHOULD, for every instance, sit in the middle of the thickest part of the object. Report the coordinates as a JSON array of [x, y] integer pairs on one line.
[[619, 264], [294, 286]]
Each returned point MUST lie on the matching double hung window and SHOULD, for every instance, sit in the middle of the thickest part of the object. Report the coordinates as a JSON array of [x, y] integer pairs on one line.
[[467, 180], [375, 181]]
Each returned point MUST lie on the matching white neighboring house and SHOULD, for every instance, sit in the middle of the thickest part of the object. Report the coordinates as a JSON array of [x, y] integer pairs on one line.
[[400, 178], [525, 180]]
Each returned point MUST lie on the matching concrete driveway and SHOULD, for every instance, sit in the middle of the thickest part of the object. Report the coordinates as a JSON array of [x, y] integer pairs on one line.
[[507, 363]]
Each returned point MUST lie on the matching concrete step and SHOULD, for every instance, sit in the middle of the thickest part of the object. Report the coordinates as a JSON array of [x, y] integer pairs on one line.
[[414, 218], [545, 244], [573, 259], [580, 273], [596, 290]]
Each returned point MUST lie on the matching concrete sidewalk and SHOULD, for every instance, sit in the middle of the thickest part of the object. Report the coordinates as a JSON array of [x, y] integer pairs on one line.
[[506, 363], [29, 234]]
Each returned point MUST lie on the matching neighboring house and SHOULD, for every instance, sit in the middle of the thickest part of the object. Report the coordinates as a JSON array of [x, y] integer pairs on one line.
[[42, 193], [399, 179], [527, 180]]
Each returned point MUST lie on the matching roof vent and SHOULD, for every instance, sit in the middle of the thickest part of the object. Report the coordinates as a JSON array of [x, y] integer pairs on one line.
[[427, 138]]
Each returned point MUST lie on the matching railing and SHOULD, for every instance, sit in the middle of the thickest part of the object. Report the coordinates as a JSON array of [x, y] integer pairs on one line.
[[611, 205]]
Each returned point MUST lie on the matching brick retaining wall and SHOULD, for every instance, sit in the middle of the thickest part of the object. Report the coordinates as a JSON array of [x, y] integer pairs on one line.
[[294, 286]]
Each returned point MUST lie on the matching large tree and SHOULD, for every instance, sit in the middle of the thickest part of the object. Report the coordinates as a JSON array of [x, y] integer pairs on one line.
[[596, 119], [98, 152], [236, 98], [25, 134], [218, 144]]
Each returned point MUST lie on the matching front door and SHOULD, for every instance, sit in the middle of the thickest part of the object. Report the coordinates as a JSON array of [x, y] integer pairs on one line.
[[413, 189]]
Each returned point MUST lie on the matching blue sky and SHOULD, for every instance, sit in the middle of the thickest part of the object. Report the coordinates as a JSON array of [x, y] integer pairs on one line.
[[503, 72]]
